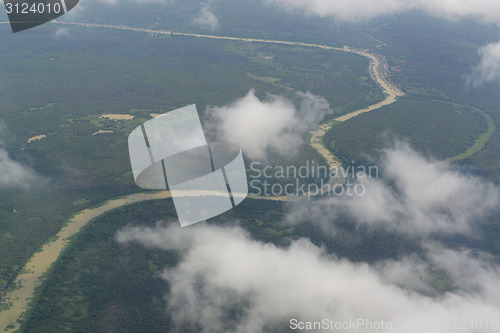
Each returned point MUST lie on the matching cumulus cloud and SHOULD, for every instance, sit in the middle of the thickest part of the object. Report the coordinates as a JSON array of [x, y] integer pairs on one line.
[[360, 10], [488, 68], [416, 196], [227, 281], [206, 18], [270, 126]]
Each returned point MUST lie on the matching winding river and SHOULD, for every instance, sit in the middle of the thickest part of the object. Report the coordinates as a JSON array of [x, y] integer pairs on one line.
[[32, 274]]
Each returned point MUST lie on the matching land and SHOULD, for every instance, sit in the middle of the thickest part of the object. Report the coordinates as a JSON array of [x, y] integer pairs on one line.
[[18, 301], [392, 93], [31, 276], [93, 169], [376, 70], [102, 132], [41, 262], [79, 170], [36, 137], [117, 116]]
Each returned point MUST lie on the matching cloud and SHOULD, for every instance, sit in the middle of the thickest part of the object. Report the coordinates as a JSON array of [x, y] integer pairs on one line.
[[270, 126], [227, 281], [416, 196], [62, 33], [458, 266], [14, 174], [115, 2], [206, 18], [80, 10], [488, 68], [487, 11]]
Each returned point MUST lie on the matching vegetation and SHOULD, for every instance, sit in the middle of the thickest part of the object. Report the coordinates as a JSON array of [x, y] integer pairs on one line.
[[480, 142], [436, 63], [61, 86], [437, 128], [100, 285]]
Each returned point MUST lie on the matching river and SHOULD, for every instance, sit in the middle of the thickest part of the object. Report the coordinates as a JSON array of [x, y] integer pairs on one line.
[[32, 274]]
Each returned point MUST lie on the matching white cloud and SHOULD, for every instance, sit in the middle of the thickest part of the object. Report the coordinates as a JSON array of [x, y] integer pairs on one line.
[[360, 10], [270, 126], [488, 68], [206, 18], [425, 196], [223, 272], [114, 2], [458, 266], [14, 174], [78, 11], [62, 33]]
